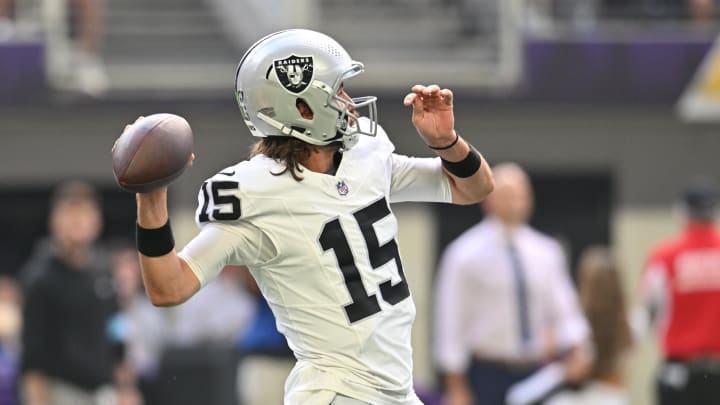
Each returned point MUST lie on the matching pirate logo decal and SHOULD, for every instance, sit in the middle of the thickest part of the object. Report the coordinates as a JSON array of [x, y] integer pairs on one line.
[[294, 72]]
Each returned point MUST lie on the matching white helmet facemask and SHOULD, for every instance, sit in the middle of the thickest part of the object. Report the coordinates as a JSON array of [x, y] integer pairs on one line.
[[293, 67]]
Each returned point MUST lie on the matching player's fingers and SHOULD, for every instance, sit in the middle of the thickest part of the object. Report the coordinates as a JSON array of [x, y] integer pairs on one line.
[[415, 99], [139, 118], [447, 96], [418, 89], [431, 90], [191, 160], [409, 99], [418, 106]]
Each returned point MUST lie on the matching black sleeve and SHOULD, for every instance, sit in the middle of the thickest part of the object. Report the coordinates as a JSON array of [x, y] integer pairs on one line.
[[35, 338]]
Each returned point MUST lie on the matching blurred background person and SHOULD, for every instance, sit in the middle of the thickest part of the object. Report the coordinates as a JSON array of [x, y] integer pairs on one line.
[[90, 77], [701, 10], [265, 358], [67, 354], [602, 300], [681, 296], [217, 316], [505, 303], [7, 28], [10, 314], [200, 343], [81, 25], [138, 325]]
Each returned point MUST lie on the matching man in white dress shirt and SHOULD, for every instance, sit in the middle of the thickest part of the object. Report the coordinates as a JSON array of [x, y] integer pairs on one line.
[[505, 303]]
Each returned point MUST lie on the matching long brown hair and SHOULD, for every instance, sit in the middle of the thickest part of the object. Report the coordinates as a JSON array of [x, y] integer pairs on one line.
[[602, 300], [285, 150]]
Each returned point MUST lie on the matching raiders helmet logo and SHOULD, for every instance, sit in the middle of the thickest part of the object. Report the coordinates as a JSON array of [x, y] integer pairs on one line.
[[294, 72]]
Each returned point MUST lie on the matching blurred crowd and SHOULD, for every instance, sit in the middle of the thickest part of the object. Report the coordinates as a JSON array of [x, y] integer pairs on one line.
[[511, 326], [73, 31], [77, 328]]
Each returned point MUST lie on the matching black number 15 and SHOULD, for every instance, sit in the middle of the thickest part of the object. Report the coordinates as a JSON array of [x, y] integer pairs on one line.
[[227, 200], [333, 238]]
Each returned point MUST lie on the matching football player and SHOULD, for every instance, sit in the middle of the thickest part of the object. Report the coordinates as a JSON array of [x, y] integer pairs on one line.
[[309, 214]]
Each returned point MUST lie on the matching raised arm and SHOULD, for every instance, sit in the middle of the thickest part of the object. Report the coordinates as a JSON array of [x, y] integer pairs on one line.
[[434, 119], [168, 279]]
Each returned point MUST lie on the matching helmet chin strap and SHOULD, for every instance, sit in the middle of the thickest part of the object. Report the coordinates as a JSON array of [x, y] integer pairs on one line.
[[288, 131]]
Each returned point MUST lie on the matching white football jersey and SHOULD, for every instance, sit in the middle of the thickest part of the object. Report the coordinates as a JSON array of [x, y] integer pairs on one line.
[[325, 256]]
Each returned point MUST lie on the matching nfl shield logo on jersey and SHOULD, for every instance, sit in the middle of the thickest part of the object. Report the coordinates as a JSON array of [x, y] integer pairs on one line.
[[295, 72], [342, 188]]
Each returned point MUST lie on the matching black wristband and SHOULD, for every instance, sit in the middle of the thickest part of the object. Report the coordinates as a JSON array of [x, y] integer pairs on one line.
[[466, 167], [457, 138], [154, 242]]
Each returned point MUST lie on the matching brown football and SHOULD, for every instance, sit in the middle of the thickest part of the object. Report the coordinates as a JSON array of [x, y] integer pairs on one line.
[[152, 152]]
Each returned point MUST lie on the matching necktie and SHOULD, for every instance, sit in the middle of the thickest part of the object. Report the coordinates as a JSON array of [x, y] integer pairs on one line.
[[521, 295]]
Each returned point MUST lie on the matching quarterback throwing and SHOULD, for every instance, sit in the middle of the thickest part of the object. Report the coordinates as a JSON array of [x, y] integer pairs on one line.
[[309, 213]]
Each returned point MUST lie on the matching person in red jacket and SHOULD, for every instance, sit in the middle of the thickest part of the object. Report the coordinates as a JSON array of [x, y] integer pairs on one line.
[[681, 290]]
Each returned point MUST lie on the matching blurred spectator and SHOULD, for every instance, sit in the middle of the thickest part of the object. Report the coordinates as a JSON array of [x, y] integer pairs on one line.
[[266, 358], [701, 10], [681, 295], [9, 341], [7, 29], [68, 356], [139, 325], [603, 301], [193, 343], [87, 73], [505, 304], [216, 314], [90, 72]]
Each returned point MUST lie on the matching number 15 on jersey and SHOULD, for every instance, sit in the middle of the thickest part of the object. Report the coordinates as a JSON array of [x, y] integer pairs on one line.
[[332, 237]]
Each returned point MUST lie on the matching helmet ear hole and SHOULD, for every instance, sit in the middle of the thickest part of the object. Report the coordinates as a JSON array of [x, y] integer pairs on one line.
[[304, 109]]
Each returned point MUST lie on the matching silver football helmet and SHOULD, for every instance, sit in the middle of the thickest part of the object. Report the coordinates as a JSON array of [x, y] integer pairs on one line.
[[291, 67]]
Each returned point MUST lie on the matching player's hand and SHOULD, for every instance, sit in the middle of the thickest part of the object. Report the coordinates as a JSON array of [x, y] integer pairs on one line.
[[433, 115], [123, 132]]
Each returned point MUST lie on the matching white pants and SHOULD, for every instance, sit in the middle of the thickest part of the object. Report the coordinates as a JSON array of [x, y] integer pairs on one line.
[[261, 379], [62, 393]]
